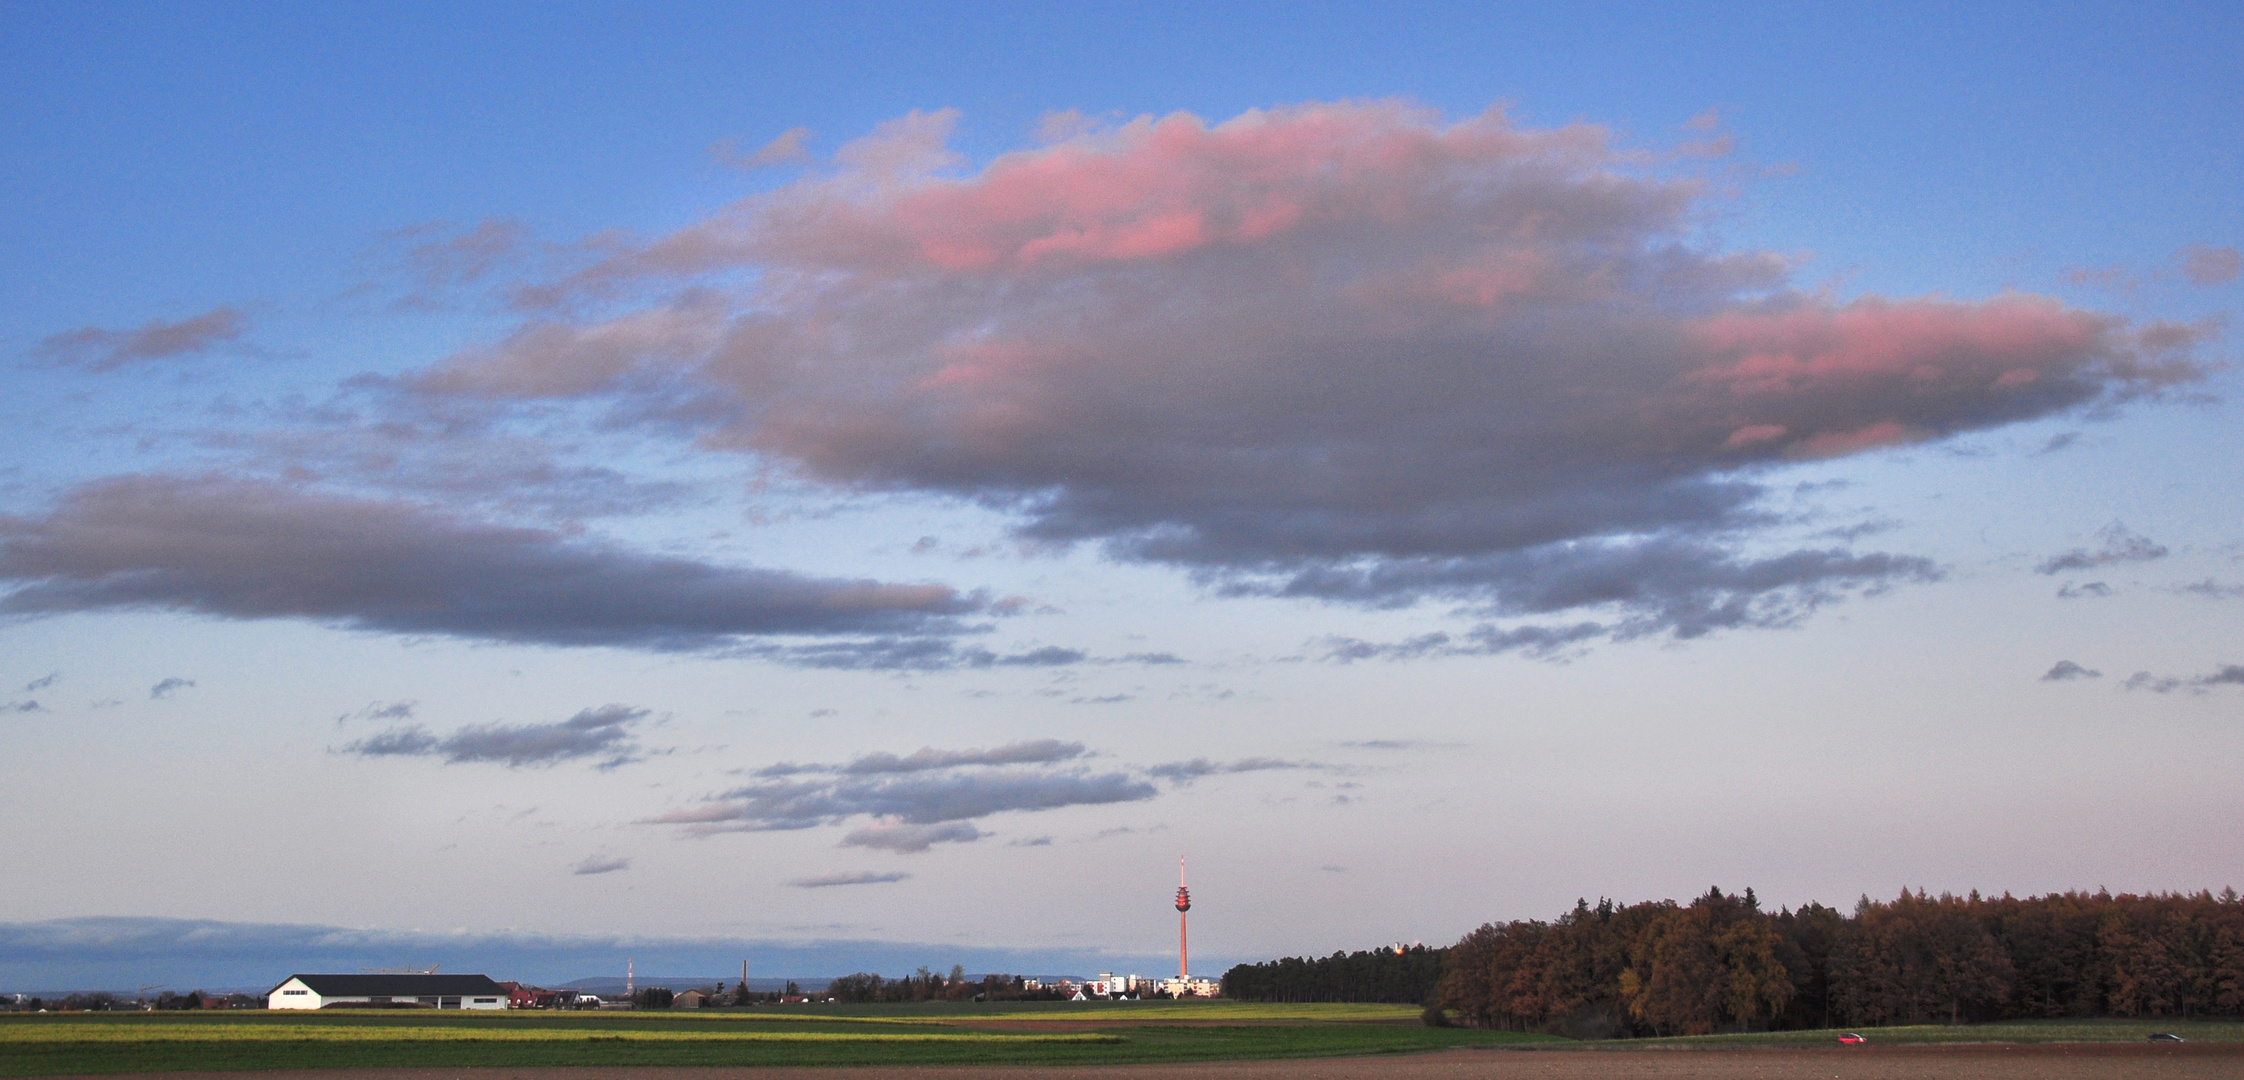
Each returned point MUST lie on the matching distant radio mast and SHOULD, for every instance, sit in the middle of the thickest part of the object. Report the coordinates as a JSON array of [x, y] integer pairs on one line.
[[1184, 904], [627, 971]]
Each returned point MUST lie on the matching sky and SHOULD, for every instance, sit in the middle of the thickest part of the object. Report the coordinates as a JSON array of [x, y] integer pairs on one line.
[[848, 487]]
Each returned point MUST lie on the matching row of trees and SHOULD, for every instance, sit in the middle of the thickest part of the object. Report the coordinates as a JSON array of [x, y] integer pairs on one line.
[[1394, 975], [924, 985], [106, 1002], [1721, 963]]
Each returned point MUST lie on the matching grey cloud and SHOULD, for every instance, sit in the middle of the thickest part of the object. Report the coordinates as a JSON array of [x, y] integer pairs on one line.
[[1048, 656], [2063, 670], [2211, 590], [255, 550], [1185, 772], [2059, 441], [1025, 752], [1483, 640], [1674, 585], [2074, 592], [397, 742], [910, 839], [911, 798], [1395, 359], [2118, 545], [1033, 841], [1154, 658], [861, 877], [2225, 675], [601, 864], [168, 687], [96, 349], [31, 706], [457, 455], [42, 682], [604, 732], [910, 654]]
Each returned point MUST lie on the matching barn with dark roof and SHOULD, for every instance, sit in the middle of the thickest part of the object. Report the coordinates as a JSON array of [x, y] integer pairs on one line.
[[440, 991]]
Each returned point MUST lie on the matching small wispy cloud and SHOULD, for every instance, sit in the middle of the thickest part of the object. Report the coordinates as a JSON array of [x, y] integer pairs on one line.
[[790, 148], [96, 349], [1393, 744], [1185, 772], [168, 687], [30, 706], [602, 732], [2118, 545], [601, 864], [2066, 670], [42, 682], [2210, 590], [907, 839], [2078, 592], [2203, 264], [927, 758], [861, 877]]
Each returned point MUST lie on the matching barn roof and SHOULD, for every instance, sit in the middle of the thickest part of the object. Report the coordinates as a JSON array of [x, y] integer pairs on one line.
[[400, 985]]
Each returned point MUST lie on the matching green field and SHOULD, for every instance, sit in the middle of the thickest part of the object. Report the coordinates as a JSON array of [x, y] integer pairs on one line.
[[55, 1044], [926, 1034]]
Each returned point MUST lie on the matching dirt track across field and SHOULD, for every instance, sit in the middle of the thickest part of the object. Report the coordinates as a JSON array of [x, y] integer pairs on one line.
[[2104, 1061]]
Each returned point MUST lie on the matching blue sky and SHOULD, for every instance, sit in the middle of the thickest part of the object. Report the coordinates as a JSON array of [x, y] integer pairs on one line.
[[894, 474]]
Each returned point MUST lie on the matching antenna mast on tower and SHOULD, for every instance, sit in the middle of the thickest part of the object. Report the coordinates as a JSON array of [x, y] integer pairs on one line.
[[1184, 904]]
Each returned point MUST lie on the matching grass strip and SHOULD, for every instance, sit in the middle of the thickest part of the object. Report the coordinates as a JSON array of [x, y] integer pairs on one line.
[[461, 1048]]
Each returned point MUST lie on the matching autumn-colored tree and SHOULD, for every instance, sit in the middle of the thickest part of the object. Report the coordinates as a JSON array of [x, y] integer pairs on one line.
[[1679, 978]]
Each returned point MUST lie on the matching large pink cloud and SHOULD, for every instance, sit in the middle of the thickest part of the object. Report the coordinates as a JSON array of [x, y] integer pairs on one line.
[[1340, 339]]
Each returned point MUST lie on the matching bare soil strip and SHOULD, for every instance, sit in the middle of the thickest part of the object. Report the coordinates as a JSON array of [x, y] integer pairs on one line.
[[2061, 1061]]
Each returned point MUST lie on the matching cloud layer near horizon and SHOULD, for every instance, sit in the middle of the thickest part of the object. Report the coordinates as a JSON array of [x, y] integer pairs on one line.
[[246, 549], [1349, 352], [124, 952]]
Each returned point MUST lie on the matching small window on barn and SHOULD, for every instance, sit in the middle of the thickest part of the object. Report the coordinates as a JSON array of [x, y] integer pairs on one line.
[[295, 991]]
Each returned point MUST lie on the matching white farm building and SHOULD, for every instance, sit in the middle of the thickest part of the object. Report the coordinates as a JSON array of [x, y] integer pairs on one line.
[[441, 991]]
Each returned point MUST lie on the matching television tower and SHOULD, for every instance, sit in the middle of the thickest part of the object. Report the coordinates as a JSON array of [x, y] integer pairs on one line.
[[1184, 904]]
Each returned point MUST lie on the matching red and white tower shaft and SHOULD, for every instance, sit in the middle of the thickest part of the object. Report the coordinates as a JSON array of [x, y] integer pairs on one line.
[[1184, 904]]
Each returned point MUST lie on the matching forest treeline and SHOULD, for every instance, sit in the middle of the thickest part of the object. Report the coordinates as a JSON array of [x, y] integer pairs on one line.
[[1720, 963], [1393, 975]]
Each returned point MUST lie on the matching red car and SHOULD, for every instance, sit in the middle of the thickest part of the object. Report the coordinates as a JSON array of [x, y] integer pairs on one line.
[[1851, 1039]]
